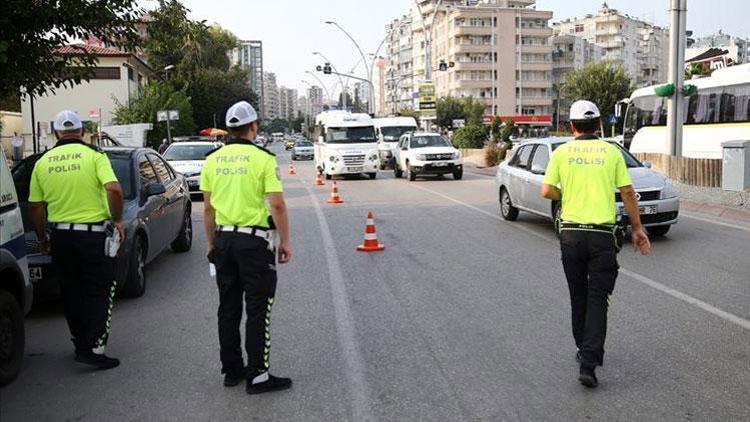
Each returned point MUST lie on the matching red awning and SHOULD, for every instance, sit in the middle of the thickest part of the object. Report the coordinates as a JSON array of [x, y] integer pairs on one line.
[[534, 120]]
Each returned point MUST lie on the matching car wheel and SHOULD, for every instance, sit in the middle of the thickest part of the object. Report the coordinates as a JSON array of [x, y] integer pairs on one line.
[[507, 210], [11, 338], [658, 231], [557, 217], [373, 176], [410, 173], [458, 174], [397, 172], [294, 157], [135, 286], [184, 240]]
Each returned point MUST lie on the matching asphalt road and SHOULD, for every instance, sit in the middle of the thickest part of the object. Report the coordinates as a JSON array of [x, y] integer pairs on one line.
[[462, 317]]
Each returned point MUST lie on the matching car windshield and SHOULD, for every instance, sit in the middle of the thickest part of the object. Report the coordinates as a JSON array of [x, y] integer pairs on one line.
[[350, 135], [429, 141], [393, 133], [188, 152], [123, 171], [304, 144], [630, 161]]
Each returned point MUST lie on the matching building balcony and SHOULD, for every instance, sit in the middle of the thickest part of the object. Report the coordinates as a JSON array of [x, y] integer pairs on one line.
[[473, 66], [470, 30], [535, 101], [535, 48], [541, 66], [535, 84], [471, 48], [536, 32], [479, 84]]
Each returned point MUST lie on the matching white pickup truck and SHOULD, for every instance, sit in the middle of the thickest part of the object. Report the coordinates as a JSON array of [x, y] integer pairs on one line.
[[424, 153], [345, 144]]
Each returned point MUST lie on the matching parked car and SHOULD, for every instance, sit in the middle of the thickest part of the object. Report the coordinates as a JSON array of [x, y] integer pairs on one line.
[[519, 182], [188, 159], [423, 153], [303, 149], [16, 290], [156, 214]]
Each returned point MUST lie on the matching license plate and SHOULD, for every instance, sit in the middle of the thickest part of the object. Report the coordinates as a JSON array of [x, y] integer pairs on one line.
[[35, 273], [192, 183], [648, 210], [355, 169], [440, 164]]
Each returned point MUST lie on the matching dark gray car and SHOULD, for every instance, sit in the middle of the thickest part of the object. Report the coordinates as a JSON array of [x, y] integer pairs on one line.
[[156, 215]]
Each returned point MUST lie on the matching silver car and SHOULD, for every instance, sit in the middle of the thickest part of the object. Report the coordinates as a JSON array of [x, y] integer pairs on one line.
[[519, 182], [303, 149]]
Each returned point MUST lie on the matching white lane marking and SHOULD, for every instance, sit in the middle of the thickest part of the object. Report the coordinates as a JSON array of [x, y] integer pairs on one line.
[[717, 222], [635, 276], [355, 368]]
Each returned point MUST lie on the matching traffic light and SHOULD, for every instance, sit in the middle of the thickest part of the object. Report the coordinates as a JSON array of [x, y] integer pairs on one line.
[[442, 66], [327, 69]]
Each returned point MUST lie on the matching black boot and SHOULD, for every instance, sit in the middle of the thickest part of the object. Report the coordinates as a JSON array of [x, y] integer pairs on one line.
[[587, 377], [269, 385], [232, 379], [100, 361]]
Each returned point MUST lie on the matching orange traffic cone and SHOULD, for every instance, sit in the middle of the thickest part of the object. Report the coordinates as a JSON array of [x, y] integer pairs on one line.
[[292, 170], [319, 180], [335, 199], [371, 238]]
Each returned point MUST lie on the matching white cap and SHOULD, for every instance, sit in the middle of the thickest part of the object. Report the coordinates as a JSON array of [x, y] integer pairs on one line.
[[584, 110], [67, 120], [240, 114]]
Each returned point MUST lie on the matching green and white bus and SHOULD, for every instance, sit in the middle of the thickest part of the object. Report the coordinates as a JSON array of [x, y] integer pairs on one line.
[[718, 112]]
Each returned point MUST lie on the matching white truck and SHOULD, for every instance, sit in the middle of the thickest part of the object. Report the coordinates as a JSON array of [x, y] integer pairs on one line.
[[389, 131], [345, 143]]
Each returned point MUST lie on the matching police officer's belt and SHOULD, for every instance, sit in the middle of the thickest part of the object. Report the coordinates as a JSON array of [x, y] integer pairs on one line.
[[587, 227], [79, 227], [253, 231]]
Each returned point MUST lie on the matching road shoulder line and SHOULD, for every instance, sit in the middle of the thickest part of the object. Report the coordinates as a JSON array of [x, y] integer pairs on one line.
[[743, 323], [354, 364]]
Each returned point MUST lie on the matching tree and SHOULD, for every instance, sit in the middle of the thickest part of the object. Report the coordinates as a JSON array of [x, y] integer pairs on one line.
[[474, 111], [155, 97], [449, 109], [470, 136], [604, 83], [31, 32], [698, 69], [213, 91]]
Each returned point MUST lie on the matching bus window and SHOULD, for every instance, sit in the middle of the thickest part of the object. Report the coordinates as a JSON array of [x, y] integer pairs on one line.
[[740, 109]]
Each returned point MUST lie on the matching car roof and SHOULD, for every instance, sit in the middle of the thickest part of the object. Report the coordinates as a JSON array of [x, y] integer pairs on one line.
[[127, 151], [199, 143], [425, 134]]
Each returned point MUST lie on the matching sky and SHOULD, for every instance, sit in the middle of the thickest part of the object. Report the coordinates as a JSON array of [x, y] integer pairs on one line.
[[291, 30]]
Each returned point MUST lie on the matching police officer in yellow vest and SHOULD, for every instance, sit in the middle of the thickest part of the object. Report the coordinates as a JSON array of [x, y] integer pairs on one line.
[[84, 209], [236, 181], [588, 171]]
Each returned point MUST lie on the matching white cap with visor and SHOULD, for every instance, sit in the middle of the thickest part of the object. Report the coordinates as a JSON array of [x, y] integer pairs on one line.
[[240, 114], [584, 110], [67, 120]]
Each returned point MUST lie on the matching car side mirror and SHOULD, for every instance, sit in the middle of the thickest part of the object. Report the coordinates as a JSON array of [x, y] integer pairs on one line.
[[647, 164], [153, 189]]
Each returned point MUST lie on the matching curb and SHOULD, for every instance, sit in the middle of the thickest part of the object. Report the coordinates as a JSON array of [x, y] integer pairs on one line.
[[728, 213]]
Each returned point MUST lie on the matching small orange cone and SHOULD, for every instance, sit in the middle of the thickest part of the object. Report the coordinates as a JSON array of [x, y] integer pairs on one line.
[[292, 170], [371, 237], [335, 199], [319, 180]]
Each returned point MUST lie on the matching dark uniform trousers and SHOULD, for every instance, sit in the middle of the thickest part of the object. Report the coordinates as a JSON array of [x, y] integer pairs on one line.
[[590, 263], [244, 264], [87, 283]]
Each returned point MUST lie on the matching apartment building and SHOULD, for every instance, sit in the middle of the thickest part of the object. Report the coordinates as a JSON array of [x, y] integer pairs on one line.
[[500, 53], [641, 47], [315, 100], [287, 103], [271, 96], [736, 48], [399, 68], [249, 57], [379, 81], [569, 53]]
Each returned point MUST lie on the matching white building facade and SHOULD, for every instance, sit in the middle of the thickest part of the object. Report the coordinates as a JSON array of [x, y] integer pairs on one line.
[[249, 57], [271, 96]]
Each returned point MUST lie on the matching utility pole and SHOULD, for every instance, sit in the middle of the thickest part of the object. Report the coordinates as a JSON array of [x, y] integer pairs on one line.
[[675, 109]]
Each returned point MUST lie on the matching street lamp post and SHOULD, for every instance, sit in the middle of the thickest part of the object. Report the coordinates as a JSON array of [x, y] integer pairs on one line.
[[343, 95], [364, 60]]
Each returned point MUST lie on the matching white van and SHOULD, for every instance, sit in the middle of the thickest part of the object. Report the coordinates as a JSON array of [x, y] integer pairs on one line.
[[16, 291], [389, 131], [345, 144]]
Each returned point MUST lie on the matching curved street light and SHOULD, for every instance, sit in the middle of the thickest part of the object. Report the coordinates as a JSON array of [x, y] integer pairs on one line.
[[364, 60]]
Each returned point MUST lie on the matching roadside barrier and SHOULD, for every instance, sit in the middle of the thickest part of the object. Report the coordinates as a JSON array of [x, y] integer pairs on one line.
[[335, 198], [371, 243]]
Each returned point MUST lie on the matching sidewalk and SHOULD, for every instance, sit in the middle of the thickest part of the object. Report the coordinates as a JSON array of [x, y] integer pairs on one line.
[[711, 202]]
